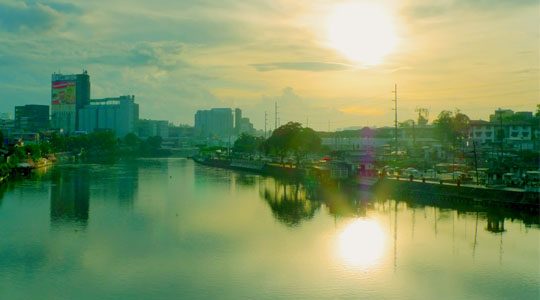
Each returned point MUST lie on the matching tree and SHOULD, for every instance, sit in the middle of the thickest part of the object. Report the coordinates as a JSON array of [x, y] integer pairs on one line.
[[17, 156], [58, 143], [247, 143], [406, 124], [537, 114], [102, 140], [306, 141], [34, 151], [131, 140], [292, 138], [451, 127], [423, 115], [154, 142]]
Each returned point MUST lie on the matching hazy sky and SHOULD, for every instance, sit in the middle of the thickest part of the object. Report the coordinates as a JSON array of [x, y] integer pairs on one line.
[[331, 61]]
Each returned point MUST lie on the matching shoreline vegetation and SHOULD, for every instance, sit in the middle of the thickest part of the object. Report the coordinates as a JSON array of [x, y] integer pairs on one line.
[[17, 159]]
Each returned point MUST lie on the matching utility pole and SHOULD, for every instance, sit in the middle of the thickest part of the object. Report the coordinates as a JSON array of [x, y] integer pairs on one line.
[[413, 135], [501, 136], [265, 120], [395, 120], [276, 117], [475, 161]]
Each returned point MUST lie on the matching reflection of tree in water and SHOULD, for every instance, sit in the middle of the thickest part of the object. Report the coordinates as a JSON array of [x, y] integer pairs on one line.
[[343, 202], [245, 180], [3, 189], [289, 202], [70, 195]]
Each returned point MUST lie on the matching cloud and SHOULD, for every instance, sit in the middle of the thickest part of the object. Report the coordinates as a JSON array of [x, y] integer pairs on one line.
[[16, 17], [164, 55], [433, 10], [426, 11], [301, 66]]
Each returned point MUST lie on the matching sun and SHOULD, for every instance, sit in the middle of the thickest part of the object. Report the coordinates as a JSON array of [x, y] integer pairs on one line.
[[363, 33]]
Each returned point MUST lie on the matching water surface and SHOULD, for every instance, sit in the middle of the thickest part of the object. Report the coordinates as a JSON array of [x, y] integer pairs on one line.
[[168, 228]]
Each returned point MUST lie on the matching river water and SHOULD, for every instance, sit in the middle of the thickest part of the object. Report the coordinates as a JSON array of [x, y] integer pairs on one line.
[[171, 229]]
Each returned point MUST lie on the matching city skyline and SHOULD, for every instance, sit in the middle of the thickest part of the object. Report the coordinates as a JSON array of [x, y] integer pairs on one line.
[[182, 57]]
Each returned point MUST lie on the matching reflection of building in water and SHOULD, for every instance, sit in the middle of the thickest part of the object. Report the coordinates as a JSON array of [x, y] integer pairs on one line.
[[127, 184], [289, 202], [70, 196]]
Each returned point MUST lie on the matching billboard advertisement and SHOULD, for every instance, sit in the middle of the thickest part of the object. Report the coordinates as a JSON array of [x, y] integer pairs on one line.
[[63, 92]]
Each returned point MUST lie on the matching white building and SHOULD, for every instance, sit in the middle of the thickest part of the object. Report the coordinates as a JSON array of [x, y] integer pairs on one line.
[[216, 122], [117, 114]]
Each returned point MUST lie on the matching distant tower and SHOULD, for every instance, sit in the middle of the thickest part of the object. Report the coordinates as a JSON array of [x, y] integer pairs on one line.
[[69, 94], [237, 120]]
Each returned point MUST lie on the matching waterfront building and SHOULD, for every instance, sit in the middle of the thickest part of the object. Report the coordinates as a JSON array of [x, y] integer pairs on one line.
[[518, 130], [69, 94], [32, 117], [149, 128], [119, 114], [214, 122]]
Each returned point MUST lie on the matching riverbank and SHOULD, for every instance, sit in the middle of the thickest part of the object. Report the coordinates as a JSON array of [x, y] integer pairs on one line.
[[511, 198], [506, 197]]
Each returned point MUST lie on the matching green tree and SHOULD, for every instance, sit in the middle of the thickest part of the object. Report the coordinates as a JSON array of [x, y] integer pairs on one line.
[[18, 155], [280, 143], [451, 127], [58, 143], [34, 151], [247, 143], [102, 140], [131, 140], [306, 141], [154, 142], [45, 148], [292, 138]]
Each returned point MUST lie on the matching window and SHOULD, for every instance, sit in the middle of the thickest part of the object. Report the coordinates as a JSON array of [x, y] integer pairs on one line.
[[515, 134], [488, 134], [478, 134], [525, 134]]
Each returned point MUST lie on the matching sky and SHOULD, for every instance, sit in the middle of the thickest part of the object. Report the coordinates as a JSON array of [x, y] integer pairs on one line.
[[328, 64]]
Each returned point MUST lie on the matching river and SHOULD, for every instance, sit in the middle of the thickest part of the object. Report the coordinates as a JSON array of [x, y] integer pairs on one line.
[[172, 229]]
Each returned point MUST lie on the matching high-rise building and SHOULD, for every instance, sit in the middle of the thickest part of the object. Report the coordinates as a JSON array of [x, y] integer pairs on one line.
[[32, 117], [214, 122], [242, 125], [237, 120], [69, 94], [149, 128], [119, 114]]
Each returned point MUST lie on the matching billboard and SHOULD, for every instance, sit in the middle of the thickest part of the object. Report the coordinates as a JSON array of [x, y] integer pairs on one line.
[[63, 92]]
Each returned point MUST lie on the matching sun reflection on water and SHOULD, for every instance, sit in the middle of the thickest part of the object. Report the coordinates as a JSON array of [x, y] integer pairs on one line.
[[361, 243]]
